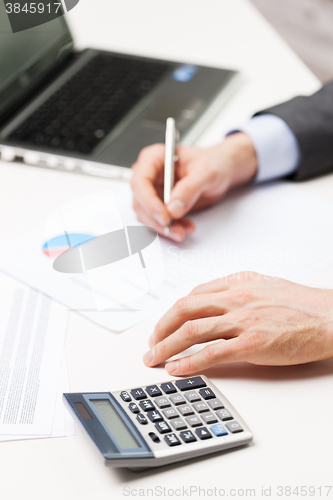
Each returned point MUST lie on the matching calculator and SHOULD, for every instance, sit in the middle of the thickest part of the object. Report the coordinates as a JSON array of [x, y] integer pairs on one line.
[[159, 424]]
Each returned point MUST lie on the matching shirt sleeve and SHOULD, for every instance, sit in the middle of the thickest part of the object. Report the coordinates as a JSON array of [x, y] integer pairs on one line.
[[276, 146]]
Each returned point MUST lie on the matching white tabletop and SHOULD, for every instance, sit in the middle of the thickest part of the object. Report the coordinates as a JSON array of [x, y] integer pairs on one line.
[[289, 409]]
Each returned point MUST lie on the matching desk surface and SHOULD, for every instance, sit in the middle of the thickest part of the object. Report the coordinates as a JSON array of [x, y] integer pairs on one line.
[[290, 409]]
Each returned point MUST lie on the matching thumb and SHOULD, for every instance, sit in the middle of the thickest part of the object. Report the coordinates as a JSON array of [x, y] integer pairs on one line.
[[186, 193]]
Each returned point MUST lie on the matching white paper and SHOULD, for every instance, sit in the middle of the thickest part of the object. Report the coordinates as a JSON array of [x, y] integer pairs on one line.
[[32, 334], [63, 423], [274, 229]]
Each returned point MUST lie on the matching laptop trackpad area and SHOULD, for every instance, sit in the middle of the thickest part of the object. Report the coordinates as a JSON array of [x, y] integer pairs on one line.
[[124, 149]]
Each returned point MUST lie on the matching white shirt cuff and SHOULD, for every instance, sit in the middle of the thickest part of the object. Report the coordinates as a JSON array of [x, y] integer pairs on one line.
[[276, 146]]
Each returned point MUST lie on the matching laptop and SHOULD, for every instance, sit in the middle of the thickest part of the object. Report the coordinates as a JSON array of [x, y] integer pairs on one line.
[[92, 111]]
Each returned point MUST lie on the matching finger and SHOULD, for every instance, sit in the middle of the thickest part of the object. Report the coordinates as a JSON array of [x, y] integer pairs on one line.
[[187, 309], [146, 172], [178, 230], [226, 351], [192, 333], [187, 191]]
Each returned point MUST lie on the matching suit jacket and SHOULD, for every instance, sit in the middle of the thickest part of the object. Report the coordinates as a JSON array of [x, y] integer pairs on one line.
[[311, 120]]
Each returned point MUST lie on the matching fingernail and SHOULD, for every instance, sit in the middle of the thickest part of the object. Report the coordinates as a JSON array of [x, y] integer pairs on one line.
[[175, 235], [176, 207], [189, 229], [148, 357], [151, 340], [160, 219], [172, 367]]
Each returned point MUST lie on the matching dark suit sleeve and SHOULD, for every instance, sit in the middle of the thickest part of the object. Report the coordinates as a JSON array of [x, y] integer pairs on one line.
[[311, 120]]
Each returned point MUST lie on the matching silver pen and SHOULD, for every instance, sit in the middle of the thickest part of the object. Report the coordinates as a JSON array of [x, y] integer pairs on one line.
[[169, 163]]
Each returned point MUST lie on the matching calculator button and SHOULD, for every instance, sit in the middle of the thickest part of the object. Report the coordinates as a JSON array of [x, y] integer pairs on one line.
[[134, 408], [203, 433], [234, 427], [154, 416], [185, 410], [192, 396], [215, 404], [153, 391], [142, 419], [170, 413], [187, 437], [147, 405], [125, 397], [193, 421], [154, 437], [209, 418], [200, 407], [162, 402], [138, 394], [163, 427], [177, 399], [178, 424], [219, 430], [190, 383], [224, 415], [172, 440], [168, 388], [207, 393]]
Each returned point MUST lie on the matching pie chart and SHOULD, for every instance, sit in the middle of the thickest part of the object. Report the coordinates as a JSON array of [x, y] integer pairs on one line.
[[60, 244]]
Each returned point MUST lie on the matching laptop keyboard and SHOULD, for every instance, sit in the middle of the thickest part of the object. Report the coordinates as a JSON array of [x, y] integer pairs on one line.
[[85, 109]]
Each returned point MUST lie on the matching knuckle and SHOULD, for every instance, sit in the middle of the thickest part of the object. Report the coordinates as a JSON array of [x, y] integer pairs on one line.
[[158, 331], [182, 305], [252, 339], [161, 351], [189, 330], [242, 295], [210, 354], [187, 365], [197, 289]]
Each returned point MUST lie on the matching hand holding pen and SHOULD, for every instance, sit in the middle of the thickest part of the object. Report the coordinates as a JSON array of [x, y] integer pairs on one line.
[[202, 177]]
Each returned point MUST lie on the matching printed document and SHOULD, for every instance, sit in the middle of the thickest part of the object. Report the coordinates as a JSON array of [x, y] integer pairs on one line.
[[32, 335]]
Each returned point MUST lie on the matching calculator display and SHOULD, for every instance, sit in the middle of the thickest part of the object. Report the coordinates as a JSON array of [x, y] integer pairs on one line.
[[115, 424]]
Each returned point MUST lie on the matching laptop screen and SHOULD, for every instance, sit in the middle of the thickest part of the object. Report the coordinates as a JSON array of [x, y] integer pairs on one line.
[[27, 56]]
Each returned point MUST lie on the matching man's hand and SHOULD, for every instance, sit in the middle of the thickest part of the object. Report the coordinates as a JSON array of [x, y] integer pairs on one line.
[[203, 176], [262, 320]]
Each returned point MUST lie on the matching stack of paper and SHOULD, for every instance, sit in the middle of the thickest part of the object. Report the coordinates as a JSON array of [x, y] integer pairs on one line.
[[33, 373]]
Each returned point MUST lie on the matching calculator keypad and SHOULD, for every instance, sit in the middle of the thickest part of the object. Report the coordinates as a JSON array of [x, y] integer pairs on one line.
[[185, 411]]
